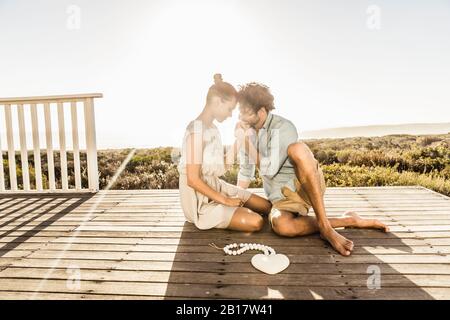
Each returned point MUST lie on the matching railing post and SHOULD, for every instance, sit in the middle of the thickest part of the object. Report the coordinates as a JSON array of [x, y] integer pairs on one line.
[[23, 149], [91, 144], [49, 141], [76, 146], [62, 147], [11, 151], [2, 175], [36, 147]]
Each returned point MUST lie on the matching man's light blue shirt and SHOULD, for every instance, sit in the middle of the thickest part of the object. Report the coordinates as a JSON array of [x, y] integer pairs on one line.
[[276, 169]]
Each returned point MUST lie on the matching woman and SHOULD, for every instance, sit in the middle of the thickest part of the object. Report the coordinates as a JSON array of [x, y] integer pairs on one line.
[[206, 200]]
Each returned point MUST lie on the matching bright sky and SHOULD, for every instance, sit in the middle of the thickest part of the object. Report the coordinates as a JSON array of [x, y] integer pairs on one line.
[[328, 63]]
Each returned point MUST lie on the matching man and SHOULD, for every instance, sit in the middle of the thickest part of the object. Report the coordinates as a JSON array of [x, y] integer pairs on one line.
[[292, 178]]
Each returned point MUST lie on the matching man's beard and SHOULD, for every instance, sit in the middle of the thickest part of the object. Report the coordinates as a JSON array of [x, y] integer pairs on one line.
[[253, 125]]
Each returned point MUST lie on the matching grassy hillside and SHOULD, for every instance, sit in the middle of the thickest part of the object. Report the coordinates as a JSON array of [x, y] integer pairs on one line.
[[392, 160]]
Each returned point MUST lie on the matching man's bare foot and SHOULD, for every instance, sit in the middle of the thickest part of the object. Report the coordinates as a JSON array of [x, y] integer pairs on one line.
[[337, 241], [366, 223]]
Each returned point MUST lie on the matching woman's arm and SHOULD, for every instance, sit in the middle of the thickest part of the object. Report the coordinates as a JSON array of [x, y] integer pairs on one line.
[[193, 170]]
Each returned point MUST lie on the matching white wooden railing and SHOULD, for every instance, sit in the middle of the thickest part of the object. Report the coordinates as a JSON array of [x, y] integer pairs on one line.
[[45, 103]]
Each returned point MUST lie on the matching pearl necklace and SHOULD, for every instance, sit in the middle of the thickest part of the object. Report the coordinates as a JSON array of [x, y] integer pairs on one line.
[[244, 247]]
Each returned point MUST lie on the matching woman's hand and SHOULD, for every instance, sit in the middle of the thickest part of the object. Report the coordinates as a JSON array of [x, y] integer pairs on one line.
[[233, 202], [241, 130]]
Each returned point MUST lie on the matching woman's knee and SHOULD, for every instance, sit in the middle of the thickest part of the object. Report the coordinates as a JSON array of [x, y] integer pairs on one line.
[[248, 221], [256, 223]]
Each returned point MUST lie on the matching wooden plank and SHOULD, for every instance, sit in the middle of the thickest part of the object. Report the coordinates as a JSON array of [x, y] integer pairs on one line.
[[319, 248], [105, 217], [297, 258], [227, 236], [332, 192], [36, 228], [301, 241], [225, 267], [102, 213], [200, 257], [205, 291], [11, 295], [14, 253], [252, 278], [138, 196], [35, 219], [151, 199], [189, 228]]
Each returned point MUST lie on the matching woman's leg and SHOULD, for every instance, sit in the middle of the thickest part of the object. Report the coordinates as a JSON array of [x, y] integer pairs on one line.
[[258, 204], [246, 220]]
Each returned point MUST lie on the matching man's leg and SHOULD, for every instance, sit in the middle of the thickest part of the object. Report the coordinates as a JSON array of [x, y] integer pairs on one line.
[[288, 224], [258, 204], [308, 175]]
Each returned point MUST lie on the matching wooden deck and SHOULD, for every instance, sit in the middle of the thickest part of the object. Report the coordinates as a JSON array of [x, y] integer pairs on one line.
[[136, 244]]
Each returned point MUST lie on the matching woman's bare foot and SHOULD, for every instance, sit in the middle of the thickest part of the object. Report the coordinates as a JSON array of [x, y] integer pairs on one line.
[[337, 241], [366, 223]]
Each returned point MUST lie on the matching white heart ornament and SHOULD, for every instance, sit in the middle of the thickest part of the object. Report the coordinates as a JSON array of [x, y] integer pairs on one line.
[[270, 264]]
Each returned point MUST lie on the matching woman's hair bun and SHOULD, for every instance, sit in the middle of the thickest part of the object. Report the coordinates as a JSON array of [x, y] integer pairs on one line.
[[218, 78]]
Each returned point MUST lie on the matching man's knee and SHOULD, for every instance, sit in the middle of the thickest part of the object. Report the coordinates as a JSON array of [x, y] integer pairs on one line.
[[284, 228], [298, 150]]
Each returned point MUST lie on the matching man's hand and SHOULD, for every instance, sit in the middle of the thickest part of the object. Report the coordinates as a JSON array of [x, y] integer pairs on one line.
[[240, 130], [243, 131]]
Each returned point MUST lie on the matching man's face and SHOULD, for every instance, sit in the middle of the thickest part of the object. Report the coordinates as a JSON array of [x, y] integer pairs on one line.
[[248, 116]]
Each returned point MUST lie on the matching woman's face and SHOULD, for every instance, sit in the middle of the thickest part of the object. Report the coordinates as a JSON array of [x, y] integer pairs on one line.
[[224, 108]]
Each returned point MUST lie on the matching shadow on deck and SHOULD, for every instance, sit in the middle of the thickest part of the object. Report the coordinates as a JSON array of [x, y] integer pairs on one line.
[[136, 244]]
